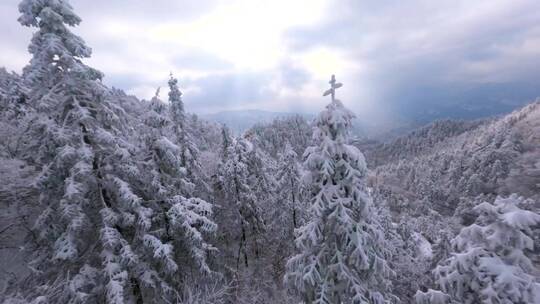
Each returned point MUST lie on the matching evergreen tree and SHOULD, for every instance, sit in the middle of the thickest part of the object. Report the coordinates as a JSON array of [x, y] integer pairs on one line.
[[225, 141], [56, 52], [102, 236], [441, 249], [189, 153], [156, 115], [241, 196], [288, 188], [341, 255], [491, 262]]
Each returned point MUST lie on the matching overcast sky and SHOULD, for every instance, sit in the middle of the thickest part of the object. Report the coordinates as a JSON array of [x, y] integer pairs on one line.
[[392, 56]]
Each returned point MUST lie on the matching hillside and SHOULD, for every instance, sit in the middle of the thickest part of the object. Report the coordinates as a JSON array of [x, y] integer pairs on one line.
[[449, 160]]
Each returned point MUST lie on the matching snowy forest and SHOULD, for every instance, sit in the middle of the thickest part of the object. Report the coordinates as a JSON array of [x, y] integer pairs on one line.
[[107, 198]]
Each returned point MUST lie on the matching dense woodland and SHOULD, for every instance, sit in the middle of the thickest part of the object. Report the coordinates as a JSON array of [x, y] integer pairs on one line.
[[105, 198]]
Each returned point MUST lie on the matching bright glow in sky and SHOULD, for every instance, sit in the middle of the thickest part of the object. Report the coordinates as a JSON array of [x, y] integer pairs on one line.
[[395, 59], [246, 33]]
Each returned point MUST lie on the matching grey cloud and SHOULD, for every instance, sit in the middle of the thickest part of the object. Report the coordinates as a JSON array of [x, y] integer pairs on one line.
[[224, 91], [14, 38], [125, 81], [200, 60], [293, 77], [435, 55], [142, 10]]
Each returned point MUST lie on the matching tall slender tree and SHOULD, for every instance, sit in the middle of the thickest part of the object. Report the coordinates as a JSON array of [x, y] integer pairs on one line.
[[241, 197], [288, 185], [226, 141], [189, 153], [340, 249]]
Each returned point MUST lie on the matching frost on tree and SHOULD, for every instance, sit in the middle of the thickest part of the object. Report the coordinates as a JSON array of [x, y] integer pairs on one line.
[[288, 183], [341, 247], [189, 153], [156, 116], [225, 141], [103, 235], [492, 259], [432, 297], [56, 51], [239, 189]]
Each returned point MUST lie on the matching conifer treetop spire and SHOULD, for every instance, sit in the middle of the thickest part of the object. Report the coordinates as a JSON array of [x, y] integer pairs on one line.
[[54, 42], [174, 93], [175, 100], [57, 53], [333, 87], [175, 96]]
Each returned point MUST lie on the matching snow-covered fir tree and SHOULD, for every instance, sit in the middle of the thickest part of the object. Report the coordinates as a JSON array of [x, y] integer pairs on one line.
[[341, 254], [288, 178], [182, 219], [286, 213], [189, 153], [492, 258], [56, 51], [441, 249], [102, 235], [226, 141], [242, 198], [156, 115]]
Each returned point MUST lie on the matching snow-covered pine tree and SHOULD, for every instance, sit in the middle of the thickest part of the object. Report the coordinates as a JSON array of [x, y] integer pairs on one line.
[[157, 117], [246, 191], [226, 141], [441, 249], [163, 159], [13, 96], [241, 196], [181, 219], [74, 111], [189, 153], [56, 51], [218, 180], [285, 213], [261, 168], [288, 188], [16, 115], [341, 255], [101, 235], [178, 115], [492, 258]]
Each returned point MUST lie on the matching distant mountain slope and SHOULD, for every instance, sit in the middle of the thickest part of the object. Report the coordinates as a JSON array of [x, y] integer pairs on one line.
[[447, 161], [478, 101], [240, 121]]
